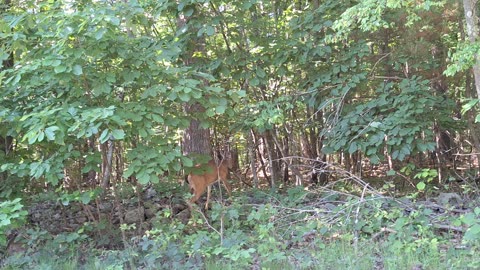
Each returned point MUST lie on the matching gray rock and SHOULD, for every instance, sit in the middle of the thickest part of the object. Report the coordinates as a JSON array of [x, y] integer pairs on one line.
[[135, 215], [452, 199]]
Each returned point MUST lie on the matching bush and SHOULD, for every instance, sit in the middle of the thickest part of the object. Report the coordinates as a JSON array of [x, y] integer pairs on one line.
[[12, 216]]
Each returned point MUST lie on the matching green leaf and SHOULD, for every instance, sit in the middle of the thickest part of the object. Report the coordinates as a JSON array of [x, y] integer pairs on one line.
[[197, 94], [5, 222], [102, 88], [72, 237], [104, 136], [143, 133], [469, 219], [187, 162], [477, 118], [41, 136], [188, 12], [118, 134], [60, 69], [204, 125], [353, 147], [54, 63], [328, 149], [220, 109], [210, 112], [32, 137], [210, 30], [50, 132], [421, 186], [172, 96], [85, 198], [115, 21], [391, 173], [473, 233], [261, 73], [374, 159], [99, 34], [72, 111], [77, 70], [143, 178], [184, 97]]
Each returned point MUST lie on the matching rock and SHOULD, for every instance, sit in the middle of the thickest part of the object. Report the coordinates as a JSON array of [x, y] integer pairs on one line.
[[81, 220], [105, 206], [151, 209], [135, 215], [177, 208], [149, 193], [452, 199], [329, 206], [149, 213], [16, 248], [184, 216]]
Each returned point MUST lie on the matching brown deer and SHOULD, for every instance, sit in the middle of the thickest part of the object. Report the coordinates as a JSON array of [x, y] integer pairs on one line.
[[199, 181]]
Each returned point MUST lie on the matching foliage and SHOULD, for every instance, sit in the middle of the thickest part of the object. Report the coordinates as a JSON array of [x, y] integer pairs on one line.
[[462, 58], [397, 119], [97, 87], [98, 73], [371, 16], [94, 105], [12, 216], [472, 235], [77, 196], [271, 233]]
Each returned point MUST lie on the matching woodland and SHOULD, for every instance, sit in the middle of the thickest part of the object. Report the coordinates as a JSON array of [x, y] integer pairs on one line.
[[350, 130]]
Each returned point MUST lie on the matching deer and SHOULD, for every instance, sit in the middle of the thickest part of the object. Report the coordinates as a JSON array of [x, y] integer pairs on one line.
[[199, 181]]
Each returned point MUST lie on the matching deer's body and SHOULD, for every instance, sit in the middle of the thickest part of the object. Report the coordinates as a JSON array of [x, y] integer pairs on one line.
[[199, 182]]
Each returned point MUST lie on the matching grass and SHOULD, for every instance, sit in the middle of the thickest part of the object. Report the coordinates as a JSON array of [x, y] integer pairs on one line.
[[340, 254], [368, 256]]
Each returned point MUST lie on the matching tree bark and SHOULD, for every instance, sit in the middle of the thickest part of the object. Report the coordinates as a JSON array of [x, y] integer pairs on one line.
[[272, 158], [471, 19], [251, 155], [107, 168], [6, 143], [196, 140]]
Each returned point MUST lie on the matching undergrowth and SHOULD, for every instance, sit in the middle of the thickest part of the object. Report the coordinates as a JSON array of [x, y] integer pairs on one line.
[[297, 230]]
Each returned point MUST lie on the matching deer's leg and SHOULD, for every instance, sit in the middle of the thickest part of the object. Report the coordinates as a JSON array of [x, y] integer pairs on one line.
[[197, 189], [195, 198], [208, 197], [227, 186]]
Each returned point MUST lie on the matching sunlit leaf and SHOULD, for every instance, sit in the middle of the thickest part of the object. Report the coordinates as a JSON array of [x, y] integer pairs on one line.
[[50, 132], [60, 69], [77, 70], [118, 134], [421, 186], [104, 136]]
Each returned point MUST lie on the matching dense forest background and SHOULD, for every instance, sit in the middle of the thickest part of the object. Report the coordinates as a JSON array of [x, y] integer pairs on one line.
[[319, 106]]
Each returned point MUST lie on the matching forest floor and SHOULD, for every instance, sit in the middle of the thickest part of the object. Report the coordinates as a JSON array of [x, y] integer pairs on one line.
[[347, 224]]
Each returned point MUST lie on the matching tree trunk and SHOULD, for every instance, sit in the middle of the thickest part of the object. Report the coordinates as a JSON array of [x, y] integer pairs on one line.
[[272, 158], [251, 156], [108, 148], [6, 143], [471, 20], [472, 126], [196, 140]]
